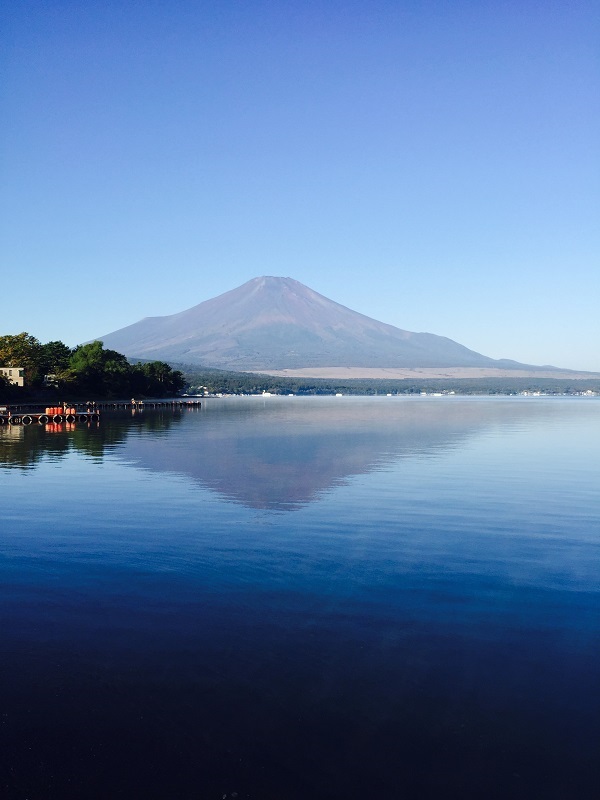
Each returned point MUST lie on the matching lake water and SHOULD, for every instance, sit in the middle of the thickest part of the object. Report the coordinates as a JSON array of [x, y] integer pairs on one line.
[[298, 599]]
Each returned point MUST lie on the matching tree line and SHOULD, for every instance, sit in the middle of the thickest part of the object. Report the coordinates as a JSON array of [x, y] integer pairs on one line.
[[215, 381], [88, 369]]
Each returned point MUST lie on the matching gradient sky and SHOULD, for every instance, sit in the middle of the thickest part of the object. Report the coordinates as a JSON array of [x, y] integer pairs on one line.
[[434, 165]]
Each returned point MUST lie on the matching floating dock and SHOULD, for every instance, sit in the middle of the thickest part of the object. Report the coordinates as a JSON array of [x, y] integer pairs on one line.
[[50, 415], [82, 412]]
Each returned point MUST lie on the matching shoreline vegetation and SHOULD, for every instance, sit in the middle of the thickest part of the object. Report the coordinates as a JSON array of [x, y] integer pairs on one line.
[[212, 381], [54, 370]]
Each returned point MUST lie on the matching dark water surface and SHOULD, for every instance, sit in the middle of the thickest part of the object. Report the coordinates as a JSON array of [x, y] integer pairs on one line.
[[290, 598]]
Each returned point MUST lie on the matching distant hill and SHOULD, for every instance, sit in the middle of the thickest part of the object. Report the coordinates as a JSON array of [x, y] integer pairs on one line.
[[274, 323]]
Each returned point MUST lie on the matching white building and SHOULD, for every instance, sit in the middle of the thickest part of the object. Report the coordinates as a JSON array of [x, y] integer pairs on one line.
[[14, 374]]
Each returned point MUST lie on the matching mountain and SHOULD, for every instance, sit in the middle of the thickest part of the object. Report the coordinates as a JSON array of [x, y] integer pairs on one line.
[[274, 323]]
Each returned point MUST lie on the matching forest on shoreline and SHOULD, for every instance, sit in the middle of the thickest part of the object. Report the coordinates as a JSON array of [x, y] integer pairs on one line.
[[214, 381], [89, 370]]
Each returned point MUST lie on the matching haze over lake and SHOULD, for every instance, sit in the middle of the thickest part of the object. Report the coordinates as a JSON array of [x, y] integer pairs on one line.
[[287, 598]]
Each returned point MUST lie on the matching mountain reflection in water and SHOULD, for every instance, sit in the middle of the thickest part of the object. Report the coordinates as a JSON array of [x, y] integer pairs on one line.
[[275, 453]]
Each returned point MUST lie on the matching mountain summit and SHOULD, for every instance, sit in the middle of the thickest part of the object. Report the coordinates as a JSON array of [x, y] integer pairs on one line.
[[274, 323]]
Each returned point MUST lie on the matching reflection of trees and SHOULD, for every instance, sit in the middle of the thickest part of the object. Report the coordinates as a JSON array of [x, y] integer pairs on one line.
[[19, 448], [24, 446], [154, 420]]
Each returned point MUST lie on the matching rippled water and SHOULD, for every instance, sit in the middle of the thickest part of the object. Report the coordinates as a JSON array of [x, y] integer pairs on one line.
[[288, 598]]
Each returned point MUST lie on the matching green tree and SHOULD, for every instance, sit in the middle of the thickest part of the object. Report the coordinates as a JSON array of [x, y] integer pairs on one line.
[[94, 369], [6, 389], [22, 350], [54, 357], [161, 379]]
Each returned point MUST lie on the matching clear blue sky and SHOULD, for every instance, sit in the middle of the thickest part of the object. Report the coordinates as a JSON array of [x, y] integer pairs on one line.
[[434, 165]]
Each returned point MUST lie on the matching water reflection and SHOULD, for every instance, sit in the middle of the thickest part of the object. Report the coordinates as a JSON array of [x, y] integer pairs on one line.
[[23, 447], [429, 632], [282, 452]]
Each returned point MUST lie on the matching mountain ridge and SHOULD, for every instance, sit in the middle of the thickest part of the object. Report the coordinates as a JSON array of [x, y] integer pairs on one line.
[[276, 323]]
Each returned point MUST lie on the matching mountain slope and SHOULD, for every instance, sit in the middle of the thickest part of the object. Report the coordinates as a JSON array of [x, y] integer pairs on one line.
[[278, 323]]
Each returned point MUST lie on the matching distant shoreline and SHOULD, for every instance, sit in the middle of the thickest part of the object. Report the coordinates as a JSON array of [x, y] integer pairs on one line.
[[425, 373]]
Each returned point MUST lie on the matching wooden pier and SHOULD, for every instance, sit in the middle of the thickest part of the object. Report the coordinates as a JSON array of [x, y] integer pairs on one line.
[[140, 405], [83, 412]]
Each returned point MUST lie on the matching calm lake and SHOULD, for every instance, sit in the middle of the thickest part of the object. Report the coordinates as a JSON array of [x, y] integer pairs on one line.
[[303, 599]]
